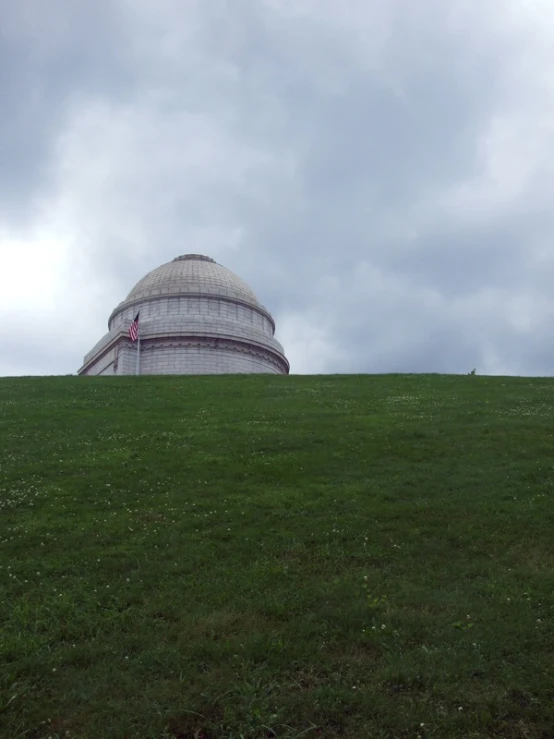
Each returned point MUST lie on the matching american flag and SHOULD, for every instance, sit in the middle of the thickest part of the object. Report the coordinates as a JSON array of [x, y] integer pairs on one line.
[[134, 328]]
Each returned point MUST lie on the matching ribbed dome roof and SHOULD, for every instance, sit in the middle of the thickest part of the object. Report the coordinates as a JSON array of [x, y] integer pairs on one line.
[[192, 273]]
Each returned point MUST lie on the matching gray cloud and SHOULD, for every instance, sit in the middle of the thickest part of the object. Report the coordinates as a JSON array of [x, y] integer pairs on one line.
[[51, 57], [380, 174]]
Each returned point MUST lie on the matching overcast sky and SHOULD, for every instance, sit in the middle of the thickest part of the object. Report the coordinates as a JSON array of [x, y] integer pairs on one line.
[[381, 172]]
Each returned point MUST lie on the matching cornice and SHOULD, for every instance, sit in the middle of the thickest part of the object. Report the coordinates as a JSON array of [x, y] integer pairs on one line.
[[182, 341]]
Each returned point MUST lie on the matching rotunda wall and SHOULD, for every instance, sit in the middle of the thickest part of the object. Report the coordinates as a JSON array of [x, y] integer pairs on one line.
[[190, 360], [183, 308], [106, 364], [99, 346]]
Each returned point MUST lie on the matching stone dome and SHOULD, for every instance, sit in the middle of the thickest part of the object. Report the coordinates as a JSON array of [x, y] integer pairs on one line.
[[196, 317], [192, 274]]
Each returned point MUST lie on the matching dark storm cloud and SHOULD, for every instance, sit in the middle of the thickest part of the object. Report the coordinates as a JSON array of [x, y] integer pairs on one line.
[[365, 150], [51, 58], [379, 173]]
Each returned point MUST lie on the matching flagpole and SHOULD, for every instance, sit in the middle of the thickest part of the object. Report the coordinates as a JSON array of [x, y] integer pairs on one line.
[[138, 353], [134, 335]]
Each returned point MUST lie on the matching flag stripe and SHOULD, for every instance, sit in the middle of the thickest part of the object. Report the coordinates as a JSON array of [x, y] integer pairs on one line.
[[134, 328]]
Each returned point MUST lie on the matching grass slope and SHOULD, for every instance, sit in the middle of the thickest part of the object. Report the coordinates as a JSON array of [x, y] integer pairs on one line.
[[204, 557]]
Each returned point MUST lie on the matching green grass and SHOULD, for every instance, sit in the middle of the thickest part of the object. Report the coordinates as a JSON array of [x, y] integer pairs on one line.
[[205, 557]]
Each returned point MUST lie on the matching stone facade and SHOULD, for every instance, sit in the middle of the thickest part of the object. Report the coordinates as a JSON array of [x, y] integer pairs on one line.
[[196, 317]]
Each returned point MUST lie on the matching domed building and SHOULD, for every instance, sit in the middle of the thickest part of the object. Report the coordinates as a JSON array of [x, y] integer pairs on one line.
[[194, 317]]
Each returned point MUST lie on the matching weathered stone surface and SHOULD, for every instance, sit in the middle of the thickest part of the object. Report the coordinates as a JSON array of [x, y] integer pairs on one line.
[[196, 317]]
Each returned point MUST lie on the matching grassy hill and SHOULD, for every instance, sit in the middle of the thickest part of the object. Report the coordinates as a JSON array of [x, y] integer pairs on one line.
[[205, 557]]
